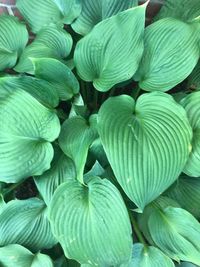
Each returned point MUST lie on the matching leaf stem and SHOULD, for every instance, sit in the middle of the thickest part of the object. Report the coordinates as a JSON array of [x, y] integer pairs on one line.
[[136, 92]]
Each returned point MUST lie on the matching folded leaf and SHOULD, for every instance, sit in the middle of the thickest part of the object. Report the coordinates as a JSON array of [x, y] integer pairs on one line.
[[27, 128], [58, 74], [50, 42], [75, 138], [111, 52], [191, 103], [171, 51], [13, 39], [177, 233], [62, 169], [147, 143], [149, 257], [43, 12], [95, 11], [90, 231], [25, 222]]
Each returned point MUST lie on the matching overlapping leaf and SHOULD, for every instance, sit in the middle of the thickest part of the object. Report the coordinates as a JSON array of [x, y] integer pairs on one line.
[[85, 221], [25, 222], [95, 11], [111, 52], [43, 12], [50, 42], [58, 74], [147, 143], [13, 39], [171, 51], [27, 128]]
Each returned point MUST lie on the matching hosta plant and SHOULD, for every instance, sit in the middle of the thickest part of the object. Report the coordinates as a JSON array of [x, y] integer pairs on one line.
[[100, 134]]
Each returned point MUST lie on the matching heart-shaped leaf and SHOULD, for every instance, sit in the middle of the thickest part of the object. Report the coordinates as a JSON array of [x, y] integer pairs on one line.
[[147, 143], [27, 128], [95, 11], [25, 222], [111, 52], [84, 219], [13, 39], [171, 51]]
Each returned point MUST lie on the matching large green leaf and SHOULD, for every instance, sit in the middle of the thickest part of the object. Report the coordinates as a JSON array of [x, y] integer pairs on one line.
[[25, 222], [176, 232], [147, 143], [58, 74], [85, 220], [27, 128], [43, 12], [50, 42], [171, 52], [43, 91], [18, 256], [191, 103], [62, 169], [95, 11], [13, 39], [77, 135], [111, 52], [149, 257]]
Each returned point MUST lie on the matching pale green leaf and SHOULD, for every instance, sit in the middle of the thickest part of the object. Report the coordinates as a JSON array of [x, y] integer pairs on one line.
[[50, 42], [25, 222], [77, 135], [44, 12], [171, 52], [147, 143], [94, 12], [85, 220], [176, 232], [13, 39], [111, 52], [58, 74], [27, 128], [62, 169], [191, 103]]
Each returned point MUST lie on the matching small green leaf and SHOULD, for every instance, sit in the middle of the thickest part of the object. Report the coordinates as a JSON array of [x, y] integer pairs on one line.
[[25, 222], [58, 74], [13, 39], [90, 231], [171, 51], [27, 128], [111, 52], [147, 143], [75, 138], [94, 12], [50, 42]]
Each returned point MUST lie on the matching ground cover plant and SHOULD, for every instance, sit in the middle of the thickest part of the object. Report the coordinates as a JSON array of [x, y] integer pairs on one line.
[[100, 135]]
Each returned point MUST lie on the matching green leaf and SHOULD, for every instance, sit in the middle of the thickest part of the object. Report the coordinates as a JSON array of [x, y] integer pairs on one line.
[[16, 255], [14, 37], [44, 12], [50, 42], [186, 192], [25, 222], [94, 12], [191, 103], [147, 143], [75, 138], [62, 169], [43, 91], [149, 257], [111, 52], [177, 233], [90, 231], [186, 264], [171, 52], [58, 74], [27, 128]]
